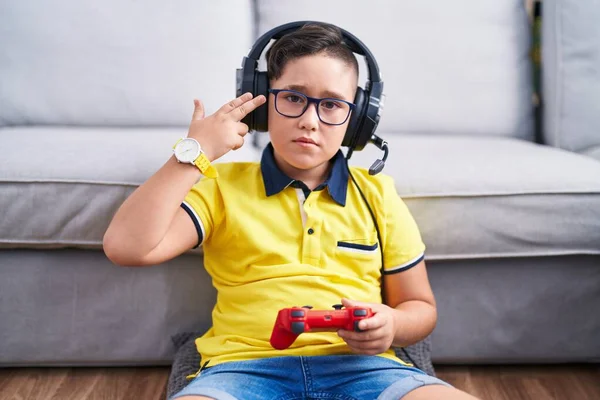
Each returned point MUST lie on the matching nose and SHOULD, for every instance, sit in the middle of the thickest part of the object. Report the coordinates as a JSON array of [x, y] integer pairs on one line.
[[310, 119]]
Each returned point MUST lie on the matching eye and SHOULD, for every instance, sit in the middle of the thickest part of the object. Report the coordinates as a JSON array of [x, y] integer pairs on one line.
[[330, 104], [294, 98]]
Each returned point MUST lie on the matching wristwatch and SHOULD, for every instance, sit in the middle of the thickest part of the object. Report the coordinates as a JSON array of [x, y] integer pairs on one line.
[[188, 151]]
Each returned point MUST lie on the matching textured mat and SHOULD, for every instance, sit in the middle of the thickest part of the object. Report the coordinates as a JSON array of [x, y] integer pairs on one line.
[[187, 359]]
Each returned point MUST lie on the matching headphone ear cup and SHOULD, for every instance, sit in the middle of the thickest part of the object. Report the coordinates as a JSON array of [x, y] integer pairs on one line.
[[257, 85], [352, 133], [260, 115]]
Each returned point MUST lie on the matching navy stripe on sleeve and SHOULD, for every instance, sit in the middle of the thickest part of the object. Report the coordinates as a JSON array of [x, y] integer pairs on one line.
[[405, 266], [196, 220]]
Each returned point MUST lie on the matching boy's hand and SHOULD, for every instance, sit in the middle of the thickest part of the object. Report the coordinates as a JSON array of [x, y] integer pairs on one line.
[[223, 131], [378, 331]]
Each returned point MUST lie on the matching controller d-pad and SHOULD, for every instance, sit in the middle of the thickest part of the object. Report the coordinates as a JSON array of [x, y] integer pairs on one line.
[[297, 327], [309, 307], [297, 313], [360, 313], [337, 306]]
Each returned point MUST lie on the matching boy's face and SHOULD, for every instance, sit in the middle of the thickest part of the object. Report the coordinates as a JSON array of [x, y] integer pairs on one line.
[[317, 76]]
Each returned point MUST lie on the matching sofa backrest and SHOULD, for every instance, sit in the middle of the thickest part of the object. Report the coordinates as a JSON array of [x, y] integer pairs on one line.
[[118, 62], [457, 67], [571, 74]]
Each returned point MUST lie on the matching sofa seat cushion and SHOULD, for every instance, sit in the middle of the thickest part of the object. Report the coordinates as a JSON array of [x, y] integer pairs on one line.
[[495, 197], [472, 197], [60, 186]]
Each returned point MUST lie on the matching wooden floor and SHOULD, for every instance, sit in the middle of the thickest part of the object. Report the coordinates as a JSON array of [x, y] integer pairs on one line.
[[563, 382], [560, 382]]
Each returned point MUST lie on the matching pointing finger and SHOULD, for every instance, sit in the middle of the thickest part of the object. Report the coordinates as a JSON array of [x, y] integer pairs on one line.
[[246, 108], [235, 103]]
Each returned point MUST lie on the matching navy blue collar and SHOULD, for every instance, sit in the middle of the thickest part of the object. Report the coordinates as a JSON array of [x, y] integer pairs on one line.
[[276, 180]]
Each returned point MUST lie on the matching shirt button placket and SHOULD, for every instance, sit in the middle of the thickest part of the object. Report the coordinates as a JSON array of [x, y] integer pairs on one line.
[[312, 243]]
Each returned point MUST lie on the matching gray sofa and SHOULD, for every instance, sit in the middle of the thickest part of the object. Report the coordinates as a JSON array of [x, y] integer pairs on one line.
[[93, 96]]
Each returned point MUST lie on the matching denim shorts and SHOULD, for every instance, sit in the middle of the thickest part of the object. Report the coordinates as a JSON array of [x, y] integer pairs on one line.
[[339, 377]]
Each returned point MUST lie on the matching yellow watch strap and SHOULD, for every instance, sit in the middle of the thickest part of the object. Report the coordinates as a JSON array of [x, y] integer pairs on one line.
[[204, 165]]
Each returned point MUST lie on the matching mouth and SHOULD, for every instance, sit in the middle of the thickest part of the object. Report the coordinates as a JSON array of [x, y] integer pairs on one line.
[[304, 141]]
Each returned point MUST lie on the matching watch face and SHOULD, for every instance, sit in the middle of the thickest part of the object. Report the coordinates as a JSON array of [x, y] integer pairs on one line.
[[187, 150]]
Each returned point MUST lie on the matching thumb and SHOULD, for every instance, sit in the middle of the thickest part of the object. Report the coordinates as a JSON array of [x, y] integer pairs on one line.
[[354, 303], [198, 110]]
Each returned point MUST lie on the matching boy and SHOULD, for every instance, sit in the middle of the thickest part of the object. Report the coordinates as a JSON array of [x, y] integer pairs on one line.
[[292, 230]]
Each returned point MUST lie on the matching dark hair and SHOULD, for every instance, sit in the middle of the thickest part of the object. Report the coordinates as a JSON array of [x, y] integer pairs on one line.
[[310, 39]]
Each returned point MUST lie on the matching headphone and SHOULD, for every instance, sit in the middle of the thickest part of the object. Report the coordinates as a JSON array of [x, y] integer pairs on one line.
[[368, 102]]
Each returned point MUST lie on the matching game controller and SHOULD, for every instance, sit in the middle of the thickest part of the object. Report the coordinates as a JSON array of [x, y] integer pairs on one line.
[[293, 321]]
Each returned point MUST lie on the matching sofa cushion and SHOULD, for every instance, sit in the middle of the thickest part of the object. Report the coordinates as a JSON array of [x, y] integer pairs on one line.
[[593, 152], [453, 67], [118, 62], [472, 197], [571, 77], [60, 187], [495, 197]]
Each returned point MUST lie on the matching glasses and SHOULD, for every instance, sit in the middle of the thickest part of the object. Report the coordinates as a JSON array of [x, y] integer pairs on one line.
[[293, 104]]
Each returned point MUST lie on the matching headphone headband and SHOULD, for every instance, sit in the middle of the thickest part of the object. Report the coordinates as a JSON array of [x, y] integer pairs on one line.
[[351, 41]]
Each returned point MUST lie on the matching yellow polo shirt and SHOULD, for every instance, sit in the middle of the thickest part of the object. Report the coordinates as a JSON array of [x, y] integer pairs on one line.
[[270, 243]]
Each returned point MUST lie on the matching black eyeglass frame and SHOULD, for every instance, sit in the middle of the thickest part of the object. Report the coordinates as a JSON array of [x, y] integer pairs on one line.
[[310, 100]]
